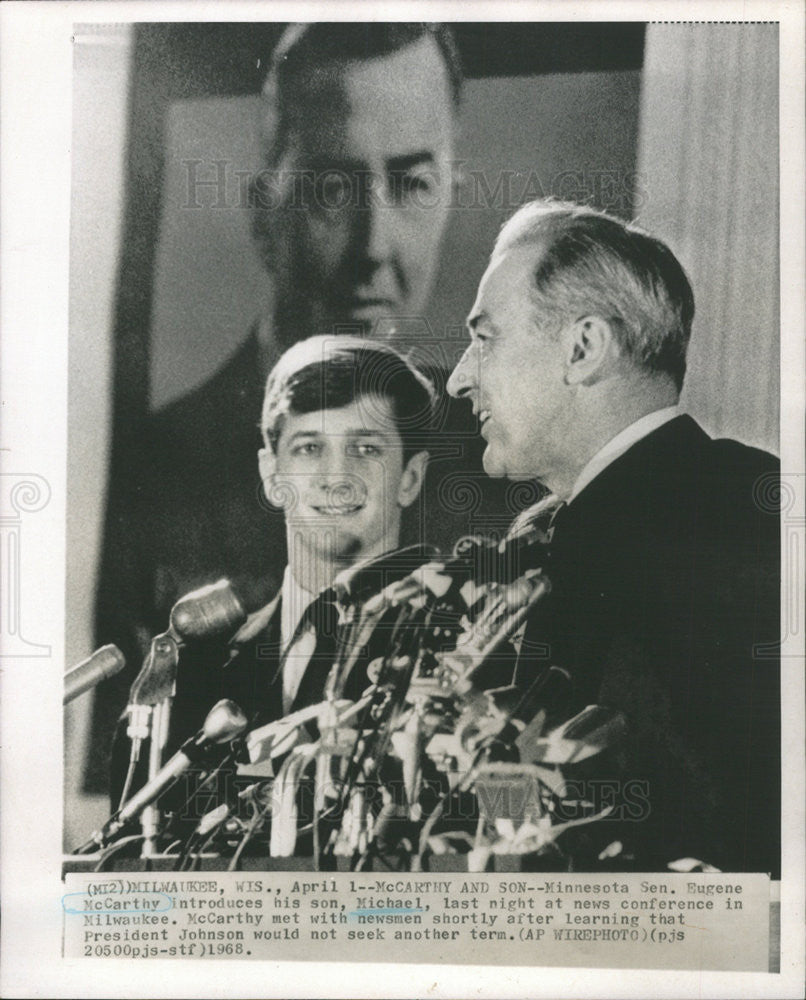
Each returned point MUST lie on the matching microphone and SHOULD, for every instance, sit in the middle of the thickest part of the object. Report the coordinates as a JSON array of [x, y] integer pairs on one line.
[[526, 721], [487, 560], [224, 722], [459, 579], [104, 662], [204, 613]]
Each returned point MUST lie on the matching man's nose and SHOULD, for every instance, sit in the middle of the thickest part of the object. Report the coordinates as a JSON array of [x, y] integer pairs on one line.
[[378, 222], [337, 470], [381, 242], [463, 377], [341, 484], [332, 469]]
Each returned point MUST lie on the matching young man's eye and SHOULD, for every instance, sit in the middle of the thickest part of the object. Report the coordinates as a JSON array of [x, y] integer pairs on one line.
[[365, 449], [306, 448]]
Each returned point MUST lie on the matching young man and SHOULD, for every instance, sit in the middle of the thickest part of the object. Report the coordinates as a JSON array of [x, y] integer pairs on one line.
[[345, 425]]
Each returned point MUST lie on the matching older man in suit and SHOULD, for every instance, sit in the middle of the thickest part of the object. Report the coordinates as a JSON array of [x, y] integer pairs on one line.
[[663, 548]]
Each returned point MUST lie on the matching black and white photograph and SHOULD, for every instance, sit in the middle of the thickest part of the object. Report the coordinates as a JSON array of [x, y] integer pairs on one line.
[[427, 480]]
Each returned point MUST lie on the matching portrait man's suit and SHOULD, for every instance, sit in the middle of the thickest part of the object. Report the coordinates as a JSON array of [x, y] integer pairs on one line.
[[665, 606]]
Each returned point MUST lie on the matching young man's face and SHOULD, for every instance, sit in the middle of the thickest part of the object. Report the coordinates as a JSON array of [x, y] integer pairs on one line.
[[366, 174], [340, 478]]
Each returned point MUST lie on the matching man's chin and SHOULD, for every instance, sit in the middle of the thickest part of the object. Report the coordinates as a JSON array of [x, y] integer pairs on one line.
[[330, 543], [347, 323], [492, 464], [379, 320], [498, 466], [342, 546]]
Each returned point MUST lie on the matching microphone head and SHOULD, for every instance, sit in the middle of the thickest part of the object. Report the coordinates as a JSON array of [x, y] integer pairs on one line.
[[487, 560], [104, 663], [224, 722], [208, 611], [110, 660]]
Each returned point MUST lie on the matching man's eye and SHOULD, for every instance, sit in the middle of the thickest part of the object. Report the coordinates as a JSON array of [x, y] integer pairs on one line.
[[306, 448], [408, 183], [366, 450]]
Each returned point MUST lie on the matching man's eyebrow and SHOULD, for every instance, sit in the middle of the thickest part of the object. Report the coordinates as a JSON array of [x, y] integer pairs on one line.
[[321, 163], [399, 164], [365, 432], [350, 432], [305, 435]]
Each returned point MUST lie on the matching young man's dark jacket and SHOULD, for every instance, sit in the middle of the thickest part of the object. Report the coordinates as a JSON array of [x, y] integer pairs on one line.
[[247, 670]]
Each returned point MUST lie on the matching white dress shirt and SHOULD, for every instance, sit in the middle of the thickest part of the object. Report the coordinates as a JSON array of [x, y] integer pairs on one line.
[[622, 442]]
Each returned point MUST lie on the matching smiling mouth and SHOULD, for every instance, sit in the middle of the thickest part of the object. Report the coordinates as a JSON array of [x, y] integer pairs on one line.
[[341, 511]]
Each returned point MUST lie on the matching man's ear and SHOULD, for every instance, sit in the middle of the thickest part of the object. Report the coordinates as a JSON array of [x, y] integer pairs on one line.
[[588, 345], [411, 482], [267, 464]]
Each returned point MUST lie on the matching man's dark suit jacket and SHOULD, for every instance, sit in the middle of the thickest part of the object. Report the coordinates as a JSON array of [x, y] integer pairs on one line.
[[247, 669], [188, 508], [665, 606]]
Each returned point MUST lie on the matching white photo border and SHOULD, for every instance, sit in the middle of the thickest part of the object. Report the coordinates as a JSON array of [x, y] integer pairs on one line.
[[35, 82]]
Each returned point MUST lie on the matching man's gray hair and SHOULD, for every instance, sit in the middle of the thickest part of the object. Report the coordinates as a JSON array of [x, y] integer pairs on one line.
[[589, 262]]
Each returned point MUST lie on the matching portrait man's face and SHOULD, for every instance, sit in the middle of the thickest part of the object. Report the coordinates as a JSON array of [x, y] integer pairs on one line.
[[365, 179], [513, 372]]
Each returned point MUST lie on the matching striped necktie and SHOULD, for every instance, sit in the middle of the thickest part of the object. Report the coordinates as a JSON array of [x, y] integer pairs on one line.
[[322, 614]]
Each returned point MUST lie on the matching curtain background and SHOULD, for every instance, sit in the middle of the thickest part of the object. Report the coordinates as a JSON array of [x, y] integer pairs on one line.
[[708, 185]]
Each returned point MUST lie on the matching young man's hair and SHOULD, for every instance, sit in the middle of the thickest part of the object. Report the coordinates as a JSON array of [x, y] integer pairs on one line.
[[305, 50], [329, 372], [588, 261]]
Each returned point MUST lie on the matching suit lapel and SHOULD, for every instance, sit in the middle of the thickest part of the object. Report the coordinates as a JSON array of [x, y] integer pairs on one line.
[[253, 668]]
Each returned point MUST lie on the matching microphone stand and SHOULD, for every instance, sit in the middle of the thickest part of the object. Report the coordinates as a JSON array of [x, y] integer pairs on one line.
[[210, 610], [150, 714], [223, 723], [151, 817]]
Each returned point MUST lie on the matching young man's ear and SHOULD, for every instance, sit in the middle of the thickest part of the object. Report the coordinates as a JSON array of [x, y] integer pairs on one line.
[[267, 464], [589, 346], [411, 482]]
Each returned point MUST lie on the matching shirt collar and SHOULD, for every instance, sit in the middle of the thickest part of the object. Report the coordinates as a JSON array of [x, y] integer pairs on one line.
[[622, 442], [294, 604]]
